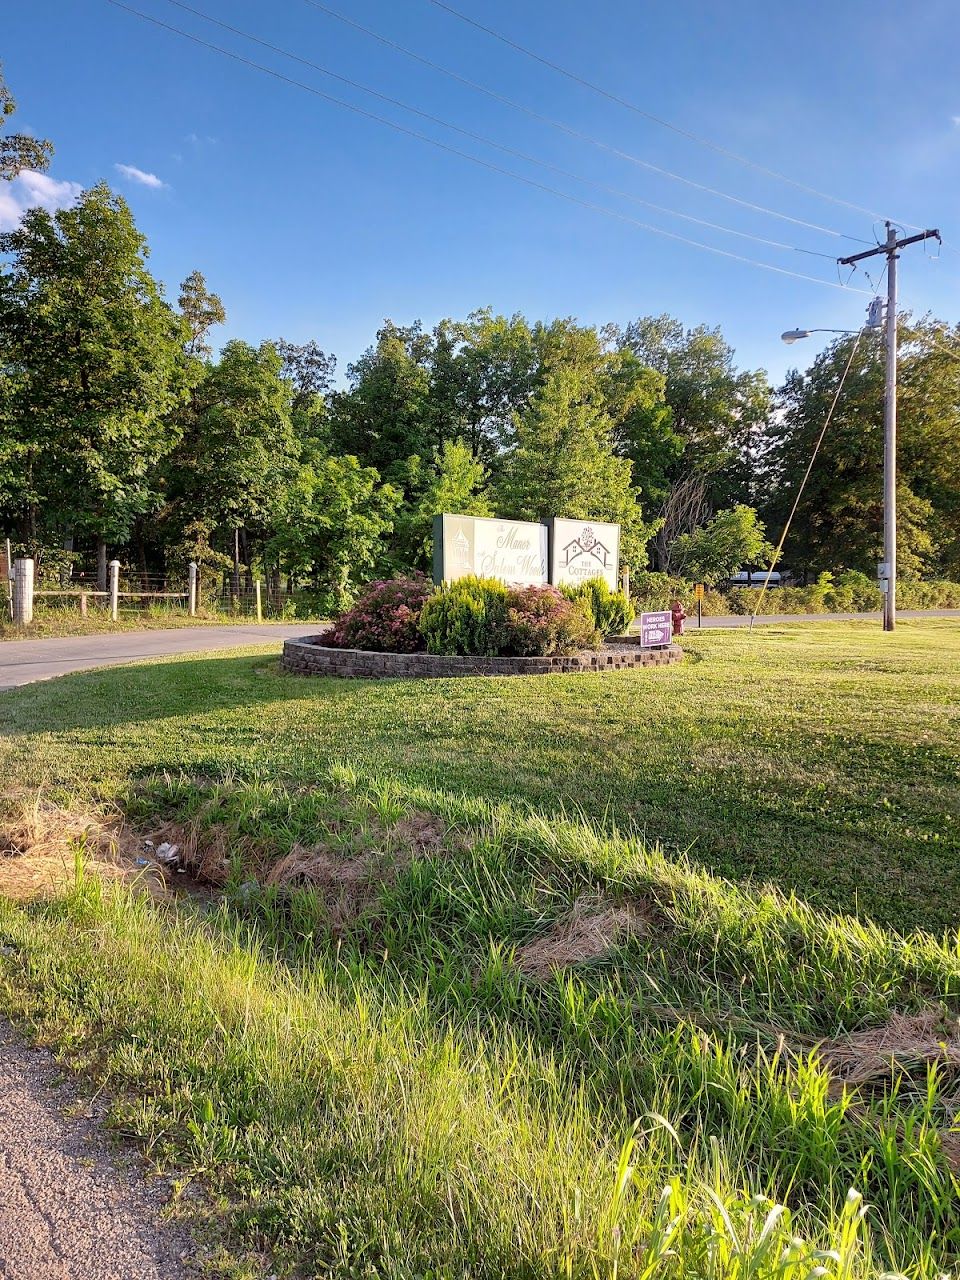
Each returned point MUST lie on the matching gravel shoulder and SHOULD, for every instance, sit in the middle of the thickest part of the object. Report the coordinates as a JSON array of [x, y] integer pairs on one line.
[[70, 1208]]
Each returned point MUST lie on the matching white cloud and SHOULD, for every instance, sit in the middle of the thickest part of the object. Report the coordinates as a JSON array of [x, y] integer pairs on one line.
[[139, 175], [956, 120], [28, 191]]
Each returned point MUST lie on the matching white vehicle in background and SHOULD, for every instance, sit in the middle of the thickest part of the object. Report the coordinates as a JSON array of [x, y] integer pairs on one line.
[[756, 578]]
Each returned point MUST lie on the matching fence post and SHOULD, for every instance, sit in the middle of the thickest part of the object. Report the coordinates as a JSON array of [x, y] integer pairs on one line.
[[83, 604], [625, 580], [22, 592], [257, 600], [192, 587], [114, 588]]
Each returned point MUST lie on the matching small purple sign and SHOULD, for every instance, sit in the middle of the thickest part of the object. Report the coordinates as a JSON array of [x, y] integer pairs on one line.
[[656, 629]]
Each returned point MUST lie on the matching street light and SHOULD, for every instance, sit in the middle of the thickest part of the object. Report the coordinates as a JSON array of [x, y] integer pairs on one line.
[[794, 335]]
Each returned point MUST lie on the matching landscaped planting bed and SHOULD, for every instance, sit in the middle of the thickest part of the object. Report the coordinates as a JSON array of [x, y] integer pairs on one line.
[[311, 657]]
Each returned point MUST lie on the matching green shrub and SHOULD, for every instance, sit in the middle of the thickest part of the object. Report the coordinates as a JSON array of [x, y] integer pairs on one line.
[[467, 616], [482, 617], [612, 611]]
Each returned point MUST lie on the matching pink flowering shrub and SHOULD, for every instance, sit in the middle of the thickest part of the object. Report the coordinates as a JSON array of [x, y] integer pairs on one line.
[[385, 617], [540, 621]]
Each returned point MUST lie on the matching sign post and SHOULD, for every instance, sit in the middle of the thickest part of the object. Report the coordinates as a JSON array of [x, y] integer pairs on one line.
[[656, 629], [698, 592]]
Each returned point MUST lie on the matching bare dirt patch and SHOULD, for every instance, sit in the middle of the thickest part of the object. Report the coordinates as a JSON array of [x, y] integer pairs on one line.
[[591, 928]]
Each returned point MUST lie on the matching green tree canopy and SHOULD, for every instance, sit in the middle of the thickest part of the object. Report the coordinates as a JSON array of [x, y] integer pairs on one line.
[[718, 549], [839, 522], [18, 151], [561, 462], [94, 358]]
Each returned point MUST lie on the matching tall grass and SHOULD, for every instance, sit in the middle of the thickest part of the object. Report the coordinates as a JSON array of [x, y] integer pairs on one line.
[[399, 1100]]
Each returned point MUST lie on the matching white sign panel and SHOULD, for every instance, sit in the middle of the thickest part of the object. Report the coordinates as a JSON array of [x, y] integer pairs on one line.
[[514, 551], [584, 549]]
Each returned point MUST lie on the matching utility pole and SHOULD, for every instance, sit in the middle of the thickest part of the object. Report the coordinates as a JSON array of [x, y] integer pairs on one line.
[[889, 567]]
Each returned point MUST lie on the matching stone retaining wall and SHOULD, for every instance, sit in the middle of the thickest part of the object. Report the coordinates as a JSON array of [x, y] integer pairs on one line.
[[310, 657]]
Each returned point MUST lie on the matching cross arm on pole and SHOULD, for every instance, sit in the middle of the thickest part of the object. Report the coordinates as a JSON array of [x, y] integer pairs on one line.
[[890, 247]]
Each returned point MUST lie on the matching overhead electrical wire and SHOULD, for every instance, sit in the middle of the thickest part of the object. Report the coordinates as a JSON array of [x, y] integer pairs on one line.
[[465, 155], [579, 134], [658, 120], [490, 142]]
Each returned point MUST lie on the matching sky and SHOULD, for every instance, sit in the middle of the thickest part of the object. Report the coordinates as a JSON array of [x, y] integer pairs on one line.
[[315, 221]]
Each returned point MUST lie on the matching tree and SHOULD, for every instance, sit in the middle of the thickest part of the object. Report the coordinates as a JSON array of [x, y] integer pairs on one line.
[[561, 462], [19, 151], [201, 310], [456, 484], [95, 365], [237, 450], [839, 520], [331, 521], [382, 419], [716, 550], [718, 410]]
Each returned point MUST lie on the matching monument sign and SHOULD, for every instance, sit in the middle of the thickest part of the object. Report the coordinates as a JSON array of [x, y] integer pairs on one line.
[[515, 551], [584, 549]]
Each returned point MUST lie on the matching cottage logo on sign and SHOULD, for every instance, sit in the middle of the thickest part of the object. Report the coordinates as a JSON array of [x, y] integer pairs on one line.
[[584, 549], [587, 548]]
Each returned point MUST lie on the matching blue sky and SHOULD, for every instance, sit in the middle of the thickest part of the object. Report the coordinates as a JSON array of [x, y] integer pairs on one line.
[[314, 222]]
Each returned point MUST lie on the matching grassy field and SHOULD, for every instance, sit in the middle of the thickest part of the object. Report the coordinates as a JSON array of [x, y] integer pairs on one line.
[[597, 976]]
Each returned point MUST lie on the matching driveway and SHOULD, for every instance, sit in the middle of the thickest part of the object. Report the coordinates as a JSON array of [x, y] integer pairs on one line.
[[23, 661]]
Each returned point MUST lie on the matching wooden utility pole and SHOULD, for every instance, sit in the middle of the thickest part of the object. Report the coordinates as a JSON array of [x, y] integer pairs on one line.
[[888, 570]]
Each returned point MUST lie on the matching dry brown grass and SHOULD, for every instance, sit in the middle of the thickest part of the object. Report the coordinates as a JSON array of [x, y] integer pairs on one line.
[[588, 931], [906, 1044], [39, 842]]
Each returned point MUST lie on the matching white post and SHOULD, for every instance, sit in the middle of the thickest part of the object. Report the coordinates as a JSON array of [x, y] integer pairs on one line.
[[22, 592], [258, 600], [8, 574], [192, 587], [625, 581], [114, 588]]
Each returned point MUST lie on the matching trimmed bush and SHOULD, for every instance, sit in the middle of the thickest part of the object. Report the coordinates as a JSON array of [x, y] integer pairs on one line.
[[385, 618], [466, 616], [541, 621], [611, 611], [484, 618]]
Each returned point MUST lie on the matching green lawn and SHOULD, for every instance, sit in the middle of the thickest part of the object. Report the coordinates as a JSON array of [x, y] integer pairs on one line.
[[562, 977], [824, 758]]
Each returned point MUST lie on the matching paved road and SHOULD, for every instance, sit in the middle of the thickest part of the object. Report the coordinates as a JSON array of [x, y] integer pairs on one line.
[[69, 1208], [738, 620], [23, 661]]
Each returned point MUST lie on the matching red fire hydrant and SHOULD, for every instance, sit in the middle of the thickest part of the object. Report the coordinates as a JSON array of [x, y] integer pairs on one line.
[[677, 613]]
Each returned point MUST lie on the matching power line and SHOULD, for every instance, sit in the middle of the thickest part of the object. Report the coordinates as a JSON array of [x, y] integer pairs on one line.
[[647, 115], [578, 133], [464, 155], [490, 142]]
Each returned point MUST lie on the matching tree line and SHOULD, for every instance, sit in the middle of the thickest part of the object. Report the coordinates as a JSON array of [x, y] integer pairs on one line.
[[123, 433]]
